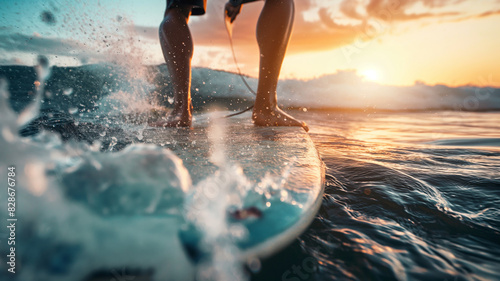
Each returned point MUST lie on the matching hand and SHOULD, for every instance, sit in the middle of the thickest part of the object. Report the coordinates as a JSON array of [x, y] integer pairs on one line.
[[232, 11]]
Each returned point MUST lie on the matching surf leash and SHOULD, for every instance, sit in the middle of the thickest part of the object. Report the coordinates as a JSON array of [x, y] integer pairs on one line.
[[229, 29]]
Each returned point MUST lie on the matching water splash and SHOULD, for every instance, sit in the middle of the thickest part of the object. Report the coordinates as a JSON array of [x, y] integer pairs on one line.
[[78, 193], [67, 190], [33, 110], [207, 209], [220, 206]]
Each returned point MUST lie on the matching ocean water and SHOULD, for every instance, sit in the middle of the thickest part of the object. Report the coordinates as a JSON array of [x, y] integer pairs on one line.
[[408, 196], [412, 181]]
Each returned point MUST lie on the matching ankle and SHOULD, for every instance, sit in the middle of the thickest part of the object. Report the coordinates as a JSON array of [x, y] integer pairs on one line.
[[264, 108]]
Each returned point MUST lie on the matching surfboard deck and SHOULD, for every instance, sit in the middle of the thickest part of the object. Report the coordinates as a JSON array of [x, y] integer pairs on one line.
[[260, 151], [89, 244]]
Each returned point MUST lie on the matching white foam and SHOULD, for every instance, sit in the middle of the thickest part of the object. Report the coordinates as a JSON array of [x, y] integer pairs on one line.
[[348, 90], [82, 210], [71, 222]]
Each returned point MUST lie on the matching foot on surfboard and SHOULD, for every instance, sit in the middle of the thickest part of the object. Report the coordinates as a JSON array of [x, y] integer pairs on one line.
[[173, 120], [276, 117]]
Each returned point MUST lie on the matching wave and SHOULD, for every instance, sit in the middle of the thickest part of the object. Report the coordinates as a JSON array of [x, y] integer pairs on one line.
[[329, 92], [91, 87]]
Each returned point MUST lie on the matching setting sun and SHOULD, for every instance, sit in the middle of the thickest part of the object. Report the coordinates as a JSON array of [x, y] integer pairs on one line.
[[370, 75]]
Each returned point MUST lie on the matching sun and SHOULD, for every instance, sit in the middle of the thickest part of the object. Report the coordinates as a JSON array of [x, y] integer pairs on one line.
[[370, 75]]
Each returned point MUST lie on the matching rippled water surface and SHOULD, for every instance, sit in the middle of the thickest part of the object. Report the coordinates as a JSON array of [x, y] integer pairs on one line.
[[409, 196]]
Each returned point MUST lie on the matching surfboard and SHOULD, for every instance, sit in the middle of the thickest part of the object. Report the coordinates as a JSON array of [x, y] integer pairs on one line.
[[112, 233], [260, 152]]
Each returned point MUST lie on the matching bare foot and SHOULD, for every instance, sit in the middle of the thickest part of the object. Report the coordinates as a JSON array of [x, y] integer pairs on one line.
[[174, 119], [276, 117]]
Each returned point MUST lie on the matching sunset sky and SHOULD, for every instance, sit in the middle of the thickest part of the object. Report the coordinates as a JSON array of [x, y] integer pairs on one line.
[[394, 42]]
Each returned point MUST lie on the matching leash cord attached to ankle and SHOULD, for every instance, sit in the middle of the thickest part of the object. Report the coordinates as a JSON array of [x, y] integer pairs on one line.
[[229, 33]]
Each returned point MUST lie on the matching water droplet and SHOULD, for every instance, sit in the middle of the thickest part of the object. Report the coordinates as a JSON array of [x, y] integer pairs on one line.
[[254, 265], [68, 92], [114, 141]]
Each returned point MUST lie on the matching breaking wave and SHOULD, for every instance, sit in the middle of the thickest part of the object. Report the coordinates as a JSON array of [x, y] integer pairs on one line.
[[98, 87]]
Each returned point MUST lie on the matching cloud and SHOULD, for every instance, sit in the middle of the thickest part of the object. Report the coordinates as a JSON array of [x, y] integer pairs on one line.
[[477, 16], [397, 10], [489, 13], [374, 7], [124, 49], [319, 26], [16, 42], [307, 36], [392, 10], [11, 61], [21, 42], [327, 31], [350, 9]]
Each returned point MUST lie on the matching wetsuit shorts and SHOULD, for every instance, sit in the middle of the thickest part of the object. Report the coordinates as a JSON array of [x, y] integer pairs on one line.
[[199, 6]]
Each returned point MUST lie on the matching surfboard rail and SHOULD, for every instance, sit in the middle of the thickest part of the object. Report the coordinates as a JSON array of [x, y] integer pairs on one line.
[[259, 151]]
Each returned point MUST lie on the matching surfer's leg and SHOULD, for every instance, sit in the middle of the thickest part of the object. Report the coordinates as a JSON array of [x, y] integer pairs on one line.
[[177, 47], [273, 33]]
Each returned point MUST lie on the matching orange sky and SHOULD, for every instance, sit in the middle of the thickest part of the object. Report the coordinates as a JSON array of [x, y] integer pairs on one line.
[[394, 42]]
